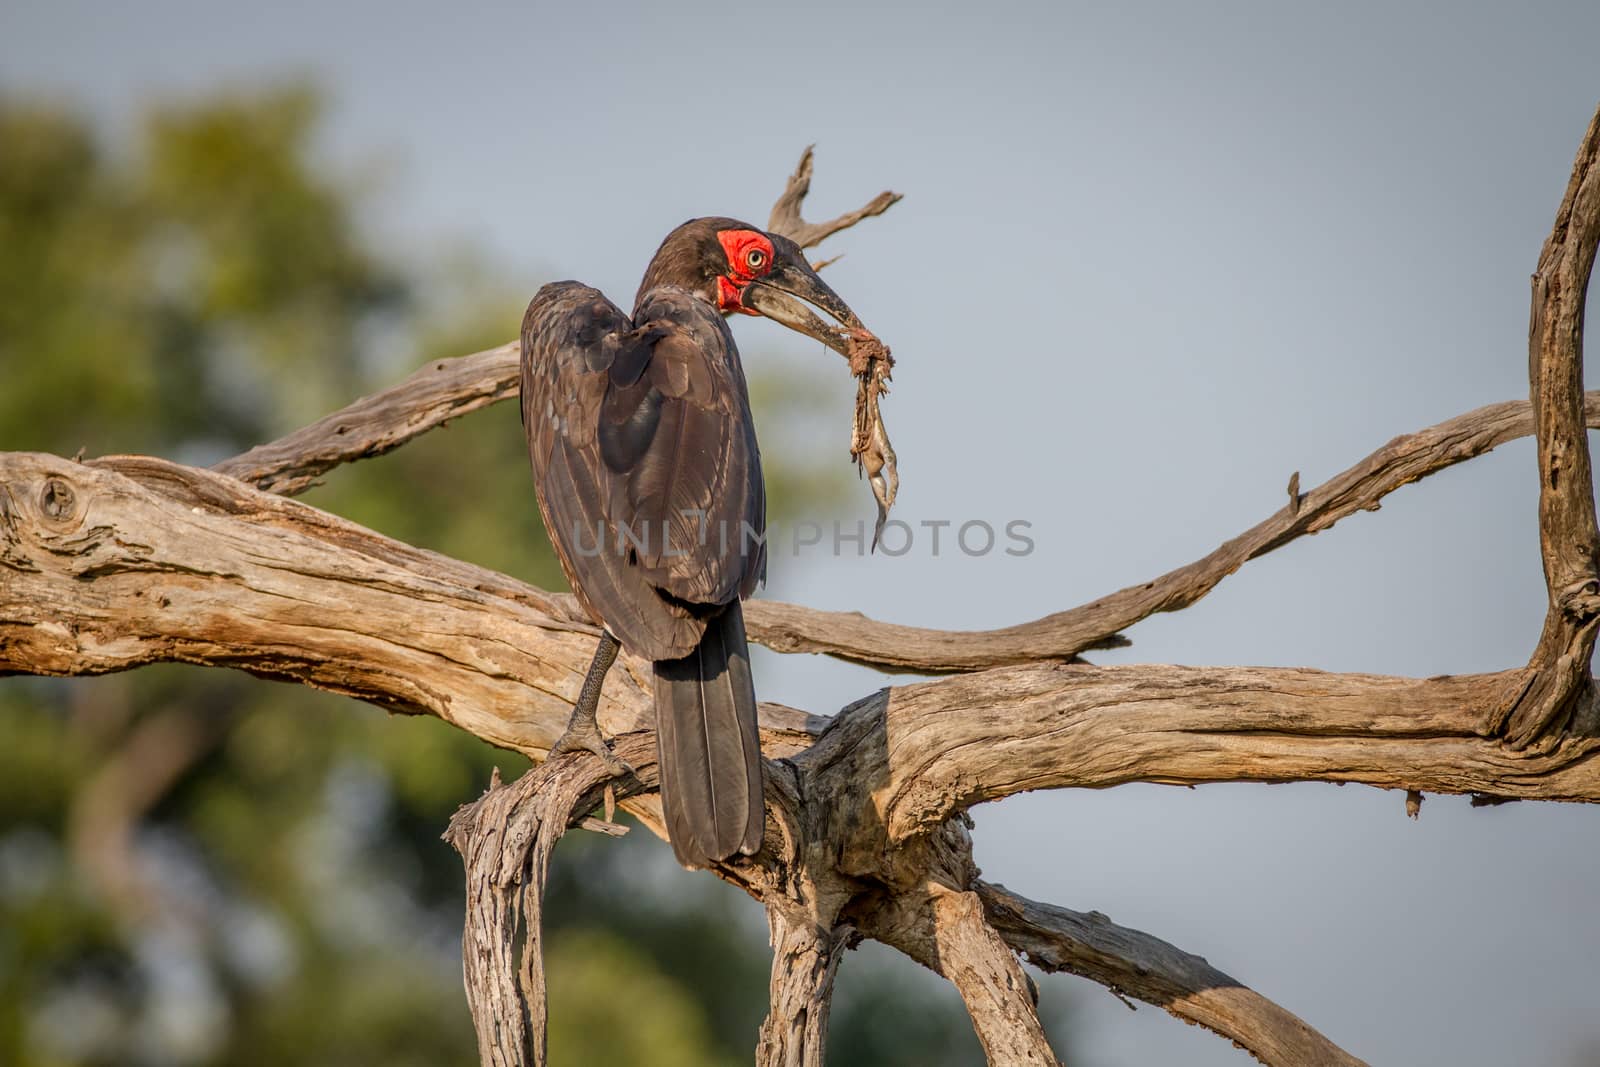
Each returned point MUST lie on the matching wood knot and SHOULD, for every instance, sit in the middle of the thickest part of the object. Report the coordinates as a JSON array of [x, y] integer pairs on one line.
[[1581, 600], [57, 501]]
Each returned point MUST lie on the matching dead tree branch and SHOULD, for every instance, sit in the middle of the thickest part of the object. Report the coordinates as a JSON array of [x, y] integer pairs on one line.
[[125, 561], [442, 390], [1000, 998], [122, 562], [129, 561], [973, 738], [785, 218], [945, 930], [1126, 961], [805, 958], [505, 839], [1559, 683], [446, 388]]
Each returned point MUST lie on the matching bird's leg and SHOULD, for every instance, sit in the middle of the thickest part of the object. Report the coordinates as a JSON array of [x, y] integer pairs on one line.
[[583, 733]]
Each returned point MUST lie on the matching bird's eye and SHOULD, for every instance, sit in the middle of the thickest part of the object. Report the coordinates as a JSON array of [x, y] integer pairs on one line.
[[756, 259]]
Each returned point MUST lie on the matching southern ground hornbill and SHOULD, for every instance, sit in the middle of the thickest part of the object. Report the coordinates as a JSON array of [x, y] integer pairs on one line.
[[649, 479]]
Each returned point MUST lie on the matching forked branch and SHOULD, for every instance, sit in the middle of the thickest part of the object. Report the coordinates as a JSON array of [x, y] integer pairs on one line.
[[130, 560], [786, 220]]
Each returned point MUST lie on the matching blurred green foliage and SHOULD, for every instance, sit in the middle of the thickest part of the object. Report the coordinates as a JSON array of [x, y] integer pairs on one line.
[[197, 867]]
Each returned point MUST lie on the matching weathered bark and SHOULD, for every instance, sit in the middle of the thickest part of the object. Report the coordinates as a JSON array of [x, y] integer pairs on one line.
[[1138, 965], [442, 390], [1001, 1000], [129, 560], [1559, 684], [505, 839], [805, 957], [155, 561], [930, 750], [945, 930], [126, 561]]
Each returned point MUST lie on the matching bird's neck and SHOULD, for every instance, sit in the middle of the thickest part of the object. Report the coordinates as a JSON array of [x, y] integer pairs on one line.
[[677, 267]]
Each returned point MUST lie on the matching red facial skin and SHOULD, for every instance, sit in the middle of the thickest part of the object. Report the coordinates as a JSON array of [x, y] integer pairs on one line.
[[741, 246]]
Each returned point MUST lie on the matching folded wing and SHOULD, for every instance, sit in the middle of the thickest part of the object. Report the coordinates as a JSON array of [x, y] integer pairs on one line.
[[645, 458]]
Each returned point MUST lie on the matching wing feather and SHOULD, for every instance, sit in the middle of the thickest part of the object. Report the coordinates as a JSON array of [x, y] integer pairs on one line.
[[645, 460]]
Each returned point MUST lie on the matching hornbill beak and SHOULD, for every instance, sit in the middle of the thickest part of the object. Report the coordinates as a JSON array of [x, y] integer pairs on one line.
[[774, 295]]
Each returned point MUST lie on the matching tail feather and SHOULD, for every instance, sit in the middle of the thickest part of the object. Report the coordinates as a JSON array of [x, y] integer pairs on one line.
[[709, 747]]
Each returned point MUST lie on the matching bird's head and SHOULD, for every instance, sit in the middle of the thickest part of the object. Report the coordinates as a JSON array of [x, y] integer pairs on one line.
[[737, 267]]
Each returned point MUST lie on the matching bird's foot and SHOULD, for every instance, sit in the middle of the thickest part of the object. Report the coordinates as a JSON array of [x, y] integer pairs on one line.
[[584, 736]]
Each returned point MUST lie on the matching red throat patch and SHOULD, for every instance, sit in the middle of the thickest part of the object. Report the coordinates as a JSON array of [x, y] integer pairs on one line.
[[728, 295], [749, 257]]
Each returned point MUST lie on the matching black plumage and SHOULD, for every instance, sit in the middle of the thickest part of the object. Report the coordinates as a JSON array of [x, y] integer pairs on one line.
[[649, 480]]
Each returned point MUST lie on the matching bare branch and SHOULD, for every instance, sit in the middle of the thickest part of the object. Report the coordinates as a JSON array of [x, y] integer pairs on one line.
[[1569, 539], [1003, 1003], [505, 839], [931, 750], [290, 464], [1361, 487], [1000, 999], [129, 561], [1126, 961], [123, 562], [786, 220], [433, 395], [805, 958]]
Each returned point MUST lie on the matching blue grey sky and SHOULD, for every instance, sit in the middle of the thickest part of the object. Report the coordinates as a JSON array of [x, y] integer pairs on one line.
[[1152, 258]]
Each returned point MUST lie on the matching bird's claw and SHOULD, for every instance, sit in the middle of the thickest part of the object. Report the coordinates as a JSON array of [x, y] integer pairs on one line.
[[585, 737]]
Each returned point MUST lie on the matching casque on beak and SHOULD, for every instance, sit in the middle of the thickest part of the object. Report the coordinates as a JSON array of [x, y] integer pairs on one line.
[[775, 295]]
